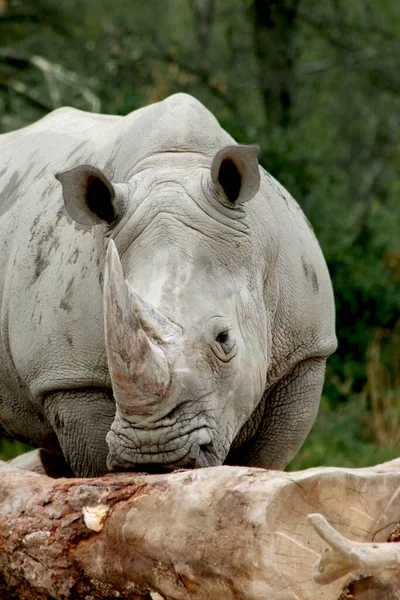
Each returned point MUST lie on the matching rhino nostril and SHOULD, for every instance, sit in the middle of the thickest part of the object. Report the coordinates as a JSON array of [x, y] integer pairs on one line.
[[206, 457]]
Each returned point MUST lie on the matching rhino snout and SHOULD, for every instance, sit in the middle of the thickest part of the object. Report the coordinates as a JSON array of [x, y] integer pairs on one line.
[[132, 448]]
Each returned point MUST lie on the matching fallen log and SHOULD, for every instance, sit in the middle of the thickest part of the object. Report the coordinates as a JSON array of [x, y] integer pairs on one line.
[[216, 533]]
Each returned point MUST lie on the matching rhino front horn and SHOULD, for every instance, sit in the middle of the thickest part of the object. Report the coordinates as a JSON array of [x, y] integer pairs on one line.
[[139, 370]]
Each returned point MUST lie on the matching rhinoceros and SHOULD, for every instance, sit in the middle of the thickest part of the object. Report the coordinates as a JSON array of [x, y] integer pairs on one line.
[[164, 301]]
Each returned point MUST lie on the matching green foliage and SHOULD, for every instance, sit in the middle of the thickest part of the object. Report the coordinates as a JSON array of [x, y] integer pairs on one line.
[[340, 438], [11, 448], [316, 85]]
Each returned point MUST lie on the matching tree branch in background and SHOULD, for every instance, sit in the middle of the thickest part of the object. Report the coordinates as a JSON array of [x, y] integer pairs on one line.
[[54, 75], [353, 58], [41, 13], [22, 90]]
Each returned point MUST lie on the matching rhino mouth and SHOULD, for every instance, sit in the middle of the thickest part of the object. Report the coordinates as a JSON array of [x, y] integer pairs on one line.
[[132, 448]]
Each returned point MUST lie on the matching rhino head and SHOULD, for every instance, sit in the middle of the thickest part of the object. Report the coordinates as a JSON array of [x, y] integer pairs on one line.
[[184, 312]]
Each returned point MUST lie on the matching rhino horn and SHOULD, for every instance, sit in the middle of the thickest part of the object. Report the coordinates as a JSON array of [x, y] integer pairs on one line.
[[139, 370]]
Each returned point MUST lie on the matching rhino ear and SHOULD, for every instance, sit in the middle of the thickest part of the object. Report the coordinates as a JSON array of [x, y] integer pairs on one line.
[[236, 174], [89, 197]]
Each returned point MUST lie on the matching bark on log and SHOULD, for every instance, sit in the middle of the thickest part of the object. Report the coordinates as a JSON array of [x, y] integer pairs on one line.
[[217, 533]]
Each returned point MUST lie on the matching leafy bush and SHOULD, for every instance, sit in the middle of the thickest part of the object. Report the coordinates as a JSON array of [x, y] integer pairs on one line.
[[340, 437], [11, 448]]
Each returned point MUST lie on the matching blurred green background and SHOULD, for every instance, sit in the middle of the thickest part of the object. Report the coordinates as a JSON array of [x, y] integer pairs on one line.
[[317, 86]]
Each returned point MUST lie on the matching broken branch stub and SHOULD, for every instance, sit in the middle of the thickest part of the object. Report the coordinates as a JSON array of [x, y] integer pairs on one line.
[[380, 560]]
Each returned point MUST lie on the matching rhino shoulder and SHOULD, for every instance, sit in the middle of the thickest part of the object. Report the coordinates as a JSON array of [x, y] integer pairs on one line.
[[305, 313]]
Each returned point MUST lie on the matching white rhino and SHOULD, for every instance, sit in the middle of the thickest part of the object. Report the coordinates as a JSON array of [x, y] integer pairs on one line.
[[210, 344]]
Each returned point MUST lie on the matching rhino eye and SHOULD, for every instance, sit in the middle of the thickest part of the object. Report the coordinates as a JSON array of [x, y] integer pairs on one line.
[[222, 338], [225, 341], [224, 345], [230, 179]]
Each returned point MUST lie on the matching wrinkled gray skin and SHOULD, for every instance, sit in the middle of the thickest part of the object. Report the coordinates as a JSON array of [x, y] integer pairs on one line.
[[214, 348]]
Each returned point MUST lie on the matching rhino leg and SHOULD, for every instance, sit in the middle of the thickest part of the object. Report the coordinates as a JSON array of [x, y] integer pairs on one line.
[[43, 462], [81, 419], [284, 417]]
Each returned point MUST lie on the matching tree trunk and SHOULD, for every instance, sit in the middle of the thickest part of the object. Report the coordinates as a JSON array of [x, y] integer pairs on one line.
[[203, 14], [217, 533], [275, 27]]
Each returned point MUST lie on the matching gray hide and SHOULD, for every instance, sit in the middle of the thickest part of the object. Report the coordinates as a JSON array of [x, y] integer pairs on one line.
[[210, 343]]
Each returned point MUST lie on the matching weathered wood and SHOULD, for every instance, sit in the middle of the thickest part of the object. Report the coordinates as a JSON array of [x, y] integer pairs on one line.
[[223, 532]]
